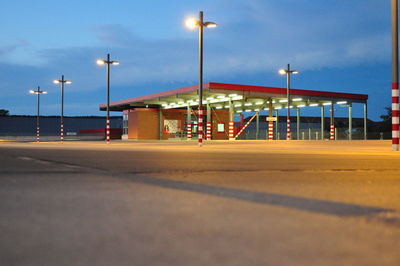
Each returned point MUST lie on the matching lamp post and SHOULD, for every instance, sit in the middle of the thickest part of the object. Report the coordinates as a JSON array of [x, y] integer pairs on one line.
[[62, 81], [395, 77], [288, 72], [192, 23], [38, 92], [107, 62]]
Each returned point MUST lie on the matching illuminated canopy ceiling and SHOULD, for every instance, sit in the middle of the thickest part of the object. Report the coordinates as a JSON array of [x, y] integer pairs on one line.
[[244, 98]]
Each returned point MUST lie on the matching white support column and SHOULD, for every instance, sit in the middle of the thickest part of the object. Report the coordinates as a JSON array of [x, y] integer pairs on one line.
[[231, 122], [350, 121], [332, 131], [257, 124], [277, 136], [365, 120], [298, 124], [189, 123], [322, 121], [209, 123]]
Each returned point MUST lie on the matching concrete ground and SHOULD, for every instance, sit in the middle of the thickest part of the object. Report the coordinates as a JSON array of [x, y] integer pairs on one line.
[[226, 203]]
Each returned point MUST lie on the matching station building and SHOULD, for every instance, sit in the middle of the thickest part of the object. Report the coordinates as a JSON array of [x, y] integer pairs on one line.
[[173, 114]]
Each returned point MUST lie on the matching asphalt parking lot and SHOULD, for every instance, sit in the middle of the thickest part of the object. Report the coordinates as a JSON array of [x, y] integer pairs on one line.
[[226, 203]]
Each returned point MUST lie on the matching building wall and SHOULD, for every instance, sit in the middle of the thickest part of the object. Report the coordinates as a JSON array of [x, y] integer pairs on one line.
[[170, 115], [219, 116], [19, 125], [143, 124]]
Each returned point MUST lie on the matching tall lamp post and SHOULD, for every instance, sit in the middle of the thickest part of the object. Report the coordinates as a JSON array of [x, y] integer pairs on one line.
[[38, 92], [193, 23], [62, 81], [107, 62], [395, 77], [288, 72]]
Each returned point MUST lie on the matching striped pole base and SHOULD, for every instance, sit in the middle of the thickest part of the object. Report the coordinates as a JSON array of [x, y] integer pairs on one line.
[[395, 116], [208, 131], [288, 134], [332, 132], [108, 131], [270, 130], [231, 130], [62, 132], [200, 126], [189, 131]]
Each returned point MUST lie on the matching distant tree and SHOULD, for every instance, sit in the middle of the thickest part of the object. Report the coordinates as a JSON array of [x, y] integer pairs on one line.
[[4, 112], [388, 115]]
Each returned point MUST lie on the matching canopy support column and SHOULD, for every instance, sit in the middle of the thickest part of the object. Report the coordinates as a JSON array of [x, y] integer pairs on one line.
[[350, 121]]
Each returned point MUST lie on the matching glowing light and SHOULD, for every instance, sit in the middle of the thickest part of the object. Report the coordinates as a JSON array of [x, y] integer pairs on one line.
[[342, 102], [218, 107], [31, 91], [210, 24], [237, 97], [283, 101], [314, 104], [259, 103], [233, 95], [297, 99], [248, 104], [248, 110], [191, 23], [282, 71], [100, 62], [115, 63], [221, 96], [326, 103], [238, 105], [301, 105], [56, 81]]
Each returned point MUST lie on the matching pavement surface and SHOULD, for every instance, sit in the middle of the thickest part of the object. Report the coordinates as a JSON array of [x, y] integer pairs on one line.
[[226, 203]]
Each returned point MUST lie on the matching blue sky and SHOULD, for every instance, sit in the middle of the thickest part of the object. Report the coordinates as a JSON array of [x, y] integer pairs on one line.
[[337, 45]]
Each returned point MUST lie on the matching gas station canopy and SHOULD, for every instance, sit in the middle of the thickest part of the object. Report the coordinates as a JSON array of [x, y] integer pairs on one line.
[[244, 98]]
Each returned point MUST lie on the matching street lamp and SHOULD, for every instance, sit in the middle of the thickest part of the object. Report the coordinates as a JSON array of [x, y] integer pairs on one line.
[[107, 62], [38, 92], [193, 23], [62, 81], [287, 72]]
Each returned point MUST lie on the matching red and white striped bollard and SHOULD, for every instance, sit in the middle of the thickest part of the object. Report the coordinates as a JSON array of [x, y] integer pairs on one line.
[[200, 126], [332, 132], [108, 131], [208, 131], [231, 130], [270, 130]]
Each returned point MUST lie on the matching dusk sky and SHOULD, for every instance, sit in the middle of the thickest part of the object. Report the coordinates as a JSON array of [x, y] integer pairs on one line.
[[337, 45]]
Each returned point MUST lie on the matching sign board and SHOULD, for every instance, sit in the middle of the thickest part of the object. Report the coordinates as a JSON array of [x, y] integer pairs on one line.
[[221, 127], [271, 119]]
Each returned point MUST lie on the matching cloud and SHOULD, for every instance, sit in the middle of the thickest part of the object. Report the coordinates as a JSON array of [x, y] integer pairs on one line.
[[9, 48]]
